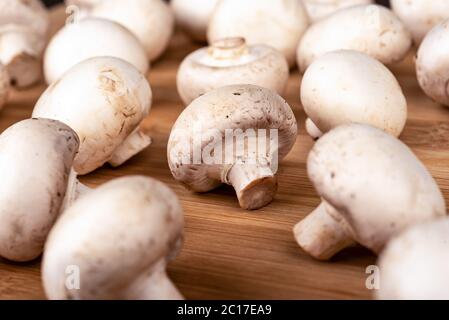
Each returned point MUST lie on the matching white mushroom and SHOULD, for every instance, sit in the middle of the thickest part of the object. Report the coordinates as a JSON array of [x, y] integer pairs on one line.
[[372, 188], [120, 238], [193, 16], [432, 63], [36, 157], [152, 21], [319, 9], [414, 265], [279, 24], [234, 135], [231, 61], [90, 38], [23, 32], [4, 86], [420, 16], [104, 100], [371, 29], [348, 86]]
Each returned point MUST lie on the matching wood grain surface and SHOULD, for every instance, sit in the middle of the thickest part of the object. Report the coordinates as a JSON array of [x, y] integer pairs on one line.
[[230, 253]]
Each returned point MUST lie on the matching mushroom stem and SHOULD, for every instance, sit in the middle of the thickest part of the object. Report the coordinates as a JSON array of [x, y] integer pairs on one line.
[[75, 190], [254, 184], [228, 48], [313, 130], [136, 142], [320, 235], [155, 285], [20, 55]]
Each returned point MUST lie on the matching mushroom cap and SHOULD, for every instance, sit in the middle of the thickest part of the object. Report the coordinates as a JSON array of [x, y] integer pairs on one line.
[[103, 99], [128, 225], [371, 29], [375, 182], [201, 71], [279, 24], [88, 38], [29, 15], [152, 21], [193, 16], [4, 85], [36, 157], [226, 108], [414, 265], [318, 9], [432, 63], [348, 86], [420, 16]]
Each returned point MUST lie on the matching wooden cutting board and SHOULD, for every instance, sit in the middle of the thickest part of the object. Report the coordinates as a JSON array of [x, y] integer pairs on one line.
[[230, 253]]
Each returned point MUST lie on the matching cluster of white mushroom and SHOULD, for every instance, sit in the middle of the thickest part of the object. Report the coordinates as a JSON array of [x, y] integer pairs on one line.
[[374, 190], [136, 220]]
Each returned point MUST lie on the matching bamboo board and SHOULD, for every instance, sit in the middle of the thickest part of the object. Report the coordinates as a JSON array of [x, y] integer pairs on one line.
[[230, 253]]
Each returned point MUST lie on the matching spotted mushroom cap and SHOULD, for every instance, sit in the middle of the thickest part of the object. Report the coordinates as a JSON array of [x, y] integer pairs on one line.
[[261, 65], [227, 108], [371, 29], [349, 86], [375, 182], [103, 99]]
